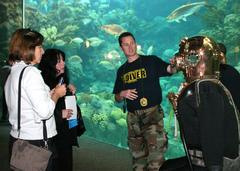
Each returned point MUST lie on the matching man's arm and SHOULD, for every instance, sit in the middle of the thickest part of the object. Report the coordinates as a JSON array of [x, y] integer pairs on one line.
[[118, 97]]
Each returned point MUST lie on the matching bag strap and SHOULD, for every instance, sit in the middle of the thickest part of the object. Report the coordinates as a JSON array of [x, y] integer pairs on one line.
[[45, 133], [19, 110], [19, 100]]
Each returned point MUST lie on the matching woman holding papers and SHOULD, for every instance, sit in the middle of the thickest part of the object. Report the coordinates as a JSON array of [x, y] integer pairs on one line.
[[54, 72]]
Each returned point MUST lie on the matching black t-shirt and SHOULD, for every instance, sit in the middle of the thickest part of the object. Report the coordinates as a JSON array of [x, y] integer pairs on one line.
[[143, 75], [230, 78]]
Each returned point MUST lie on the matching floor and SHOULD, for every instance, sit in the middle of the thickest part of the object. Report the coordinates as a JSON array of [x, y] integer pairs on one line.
[[90, 156]]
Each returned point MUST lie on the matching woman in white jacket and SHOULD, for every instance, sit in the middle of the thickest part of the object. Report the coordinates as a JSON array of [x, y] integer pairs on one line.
[[37, 102]]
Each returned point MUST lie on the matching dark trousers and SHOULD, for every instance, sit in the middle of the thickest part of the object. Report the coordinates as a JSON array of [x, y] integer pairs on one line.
[[39, 143], [64, 159]]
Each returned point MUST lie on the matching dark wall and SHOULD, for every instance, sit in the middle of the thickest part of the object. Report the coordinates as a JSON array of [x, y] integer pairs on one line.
[[10, 20]]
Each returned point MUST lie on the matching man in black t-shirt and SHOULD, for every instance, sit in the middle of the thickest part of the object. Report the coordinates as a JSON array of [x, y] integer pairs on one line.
[[137, 84]]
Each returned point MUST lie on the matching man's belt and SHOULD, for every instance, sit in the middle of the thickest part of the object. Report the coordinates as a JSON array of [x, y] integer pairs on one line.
[[140, 112]]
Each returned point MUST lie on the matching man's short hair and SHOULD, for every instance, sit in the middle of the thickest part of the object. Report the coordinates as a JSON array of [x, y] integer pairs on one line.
[[124, 34]]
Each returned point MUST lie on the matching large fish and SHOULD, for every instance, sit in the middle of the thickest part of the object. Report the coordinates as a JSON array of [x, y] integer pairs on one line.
[[182, 12], [113, 29]]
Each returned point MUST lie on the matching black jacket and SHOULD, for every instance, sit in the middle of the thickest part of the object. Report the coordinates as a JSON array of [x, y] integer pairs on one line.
[[209, 122], [66, 137]]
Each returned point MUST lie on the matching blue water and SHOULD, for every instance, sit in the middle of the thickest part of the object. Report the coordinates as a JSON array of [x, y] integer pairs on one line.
[[93, 54]]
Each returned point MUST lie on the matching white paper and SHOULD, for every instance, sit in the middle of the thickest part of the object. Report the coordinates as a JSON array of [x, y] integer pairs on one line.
[[71, 103]]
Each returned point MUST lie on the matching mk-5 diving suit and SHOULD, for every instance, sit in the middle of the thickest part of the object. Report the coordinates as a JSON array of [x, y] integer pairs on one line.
[[208, 116]]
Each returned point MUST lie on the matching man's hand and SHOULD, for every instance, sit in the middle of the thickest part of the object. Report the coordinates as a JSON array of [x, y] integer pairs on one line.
[[172, 67], [130, 94]]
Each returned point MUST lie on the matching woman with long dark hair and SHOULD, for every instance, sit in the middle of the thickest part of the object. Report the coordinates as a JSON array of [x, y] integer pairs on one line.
[[54, 72]]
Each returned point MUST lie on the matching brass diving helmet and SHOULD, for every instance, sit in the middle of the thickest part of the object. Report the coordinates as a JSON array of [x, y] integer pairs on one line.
[[198, 57]]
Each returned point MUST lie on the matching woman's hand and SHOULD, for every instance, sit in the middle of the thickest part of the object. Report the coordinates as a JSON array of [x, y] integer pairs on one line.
[[60, 90], [57, 92], [52, 91], [67, 113], [72, 88]]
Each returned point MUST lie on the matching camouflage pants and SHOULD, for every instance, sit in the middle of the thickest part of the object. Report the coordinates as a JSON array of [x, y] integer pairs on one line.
[[147, 139]]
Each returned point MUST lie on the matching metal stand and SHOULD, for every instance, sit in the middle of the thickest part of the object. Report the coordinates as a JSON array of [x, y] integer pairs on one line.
[[184, 140]]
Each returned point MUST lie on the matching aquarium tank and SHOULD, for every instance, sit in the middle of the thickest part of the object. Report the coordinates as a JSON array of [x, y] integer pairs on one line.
[[87, 31]]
